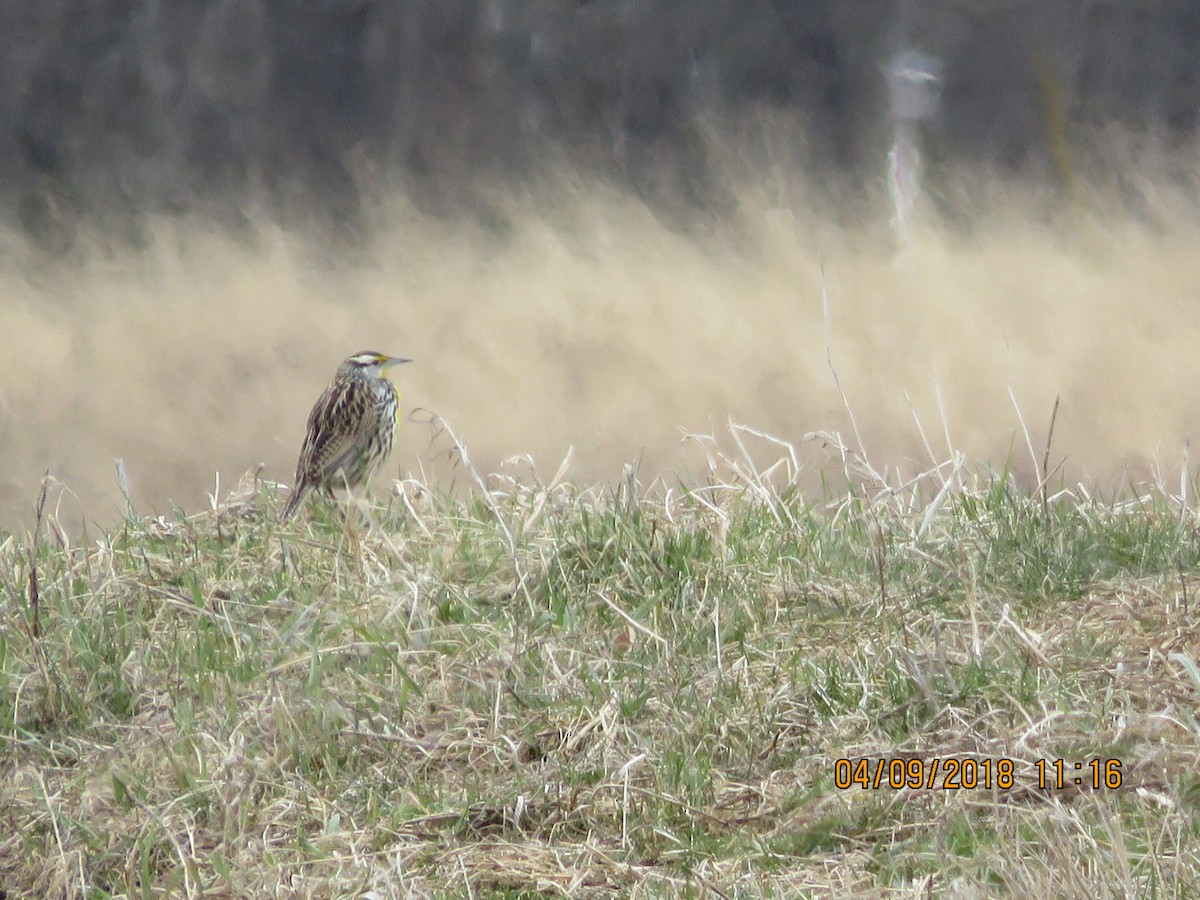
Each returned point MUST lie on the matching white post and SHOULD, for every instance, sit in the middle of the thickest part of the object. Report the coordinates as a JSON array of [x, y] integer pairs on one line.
[[914, 94]]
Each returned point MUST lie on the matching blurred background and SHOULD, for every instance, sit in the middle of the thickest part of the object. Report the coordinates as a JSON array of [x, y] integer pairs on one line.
[[594, 224]]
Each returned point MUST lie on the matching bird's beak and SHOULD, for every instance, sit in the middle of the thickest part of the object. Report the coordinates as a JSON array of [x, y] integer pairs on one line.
[[393, 361]]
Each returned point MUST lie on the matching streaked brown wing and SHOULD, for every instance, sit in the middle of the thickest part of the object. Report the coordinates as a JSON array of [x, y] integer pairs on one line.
[[334, 426]]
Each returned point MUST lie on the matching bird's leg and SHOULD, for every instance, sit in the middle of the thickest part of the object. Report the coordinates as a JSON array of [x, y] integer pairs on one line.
[[351, 536], [348, 530]]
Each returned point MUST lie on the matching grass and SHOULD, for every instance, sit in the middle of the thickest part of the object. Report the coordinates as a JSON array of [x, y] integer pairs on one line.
[[543, 690]]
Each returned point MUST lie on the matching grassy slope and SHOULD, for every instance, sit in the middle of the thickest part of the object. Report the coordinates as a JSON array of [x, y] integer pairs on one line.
[[553, 691]]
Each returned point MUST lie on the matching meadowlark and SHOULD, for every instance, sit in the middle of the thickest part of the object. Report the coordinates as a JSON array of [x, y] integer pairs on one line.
[[350, 429]]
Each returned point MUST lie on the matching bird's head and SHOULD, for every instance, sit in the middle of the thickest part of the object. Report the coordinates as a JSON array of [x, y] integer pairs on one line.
[[370, 363]]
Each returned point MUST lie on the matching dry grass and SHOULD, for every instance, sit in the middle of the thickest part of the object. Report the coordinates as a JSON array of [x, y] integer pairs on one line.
[[544, 690], [575, 316], [512, 686]]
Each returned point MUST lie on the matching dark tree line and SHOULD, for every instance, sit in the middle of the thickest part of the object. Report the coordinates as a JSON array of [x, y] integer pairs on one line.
[[109, 108]]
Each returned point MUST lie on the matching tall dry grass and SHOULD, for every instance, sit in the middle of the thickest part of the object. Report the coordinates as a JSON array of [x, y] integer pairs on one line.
[[587, 320]]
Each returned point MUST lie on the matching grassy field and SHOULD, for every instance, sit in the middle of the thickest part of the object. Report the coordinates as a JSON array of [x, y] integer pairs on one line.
[[540, 689]]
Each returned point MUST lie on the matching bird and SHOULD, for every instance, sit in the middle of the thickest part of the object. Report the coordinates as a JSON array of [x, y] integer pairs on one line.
[[350, 429]]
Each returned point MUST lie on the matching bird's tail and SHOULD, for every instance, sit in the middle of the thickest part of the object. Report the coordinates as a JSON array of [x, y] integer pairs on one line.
[[299, 492]]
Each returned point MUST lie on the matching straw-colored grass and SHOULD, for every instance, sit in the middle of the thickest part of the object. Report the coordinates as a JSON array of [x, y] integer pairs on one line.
[[545, 690]]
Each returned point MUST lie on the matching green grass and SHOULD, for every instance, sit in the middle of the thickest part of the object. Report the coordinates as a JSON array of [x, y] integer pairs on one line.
[[552, 691]]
